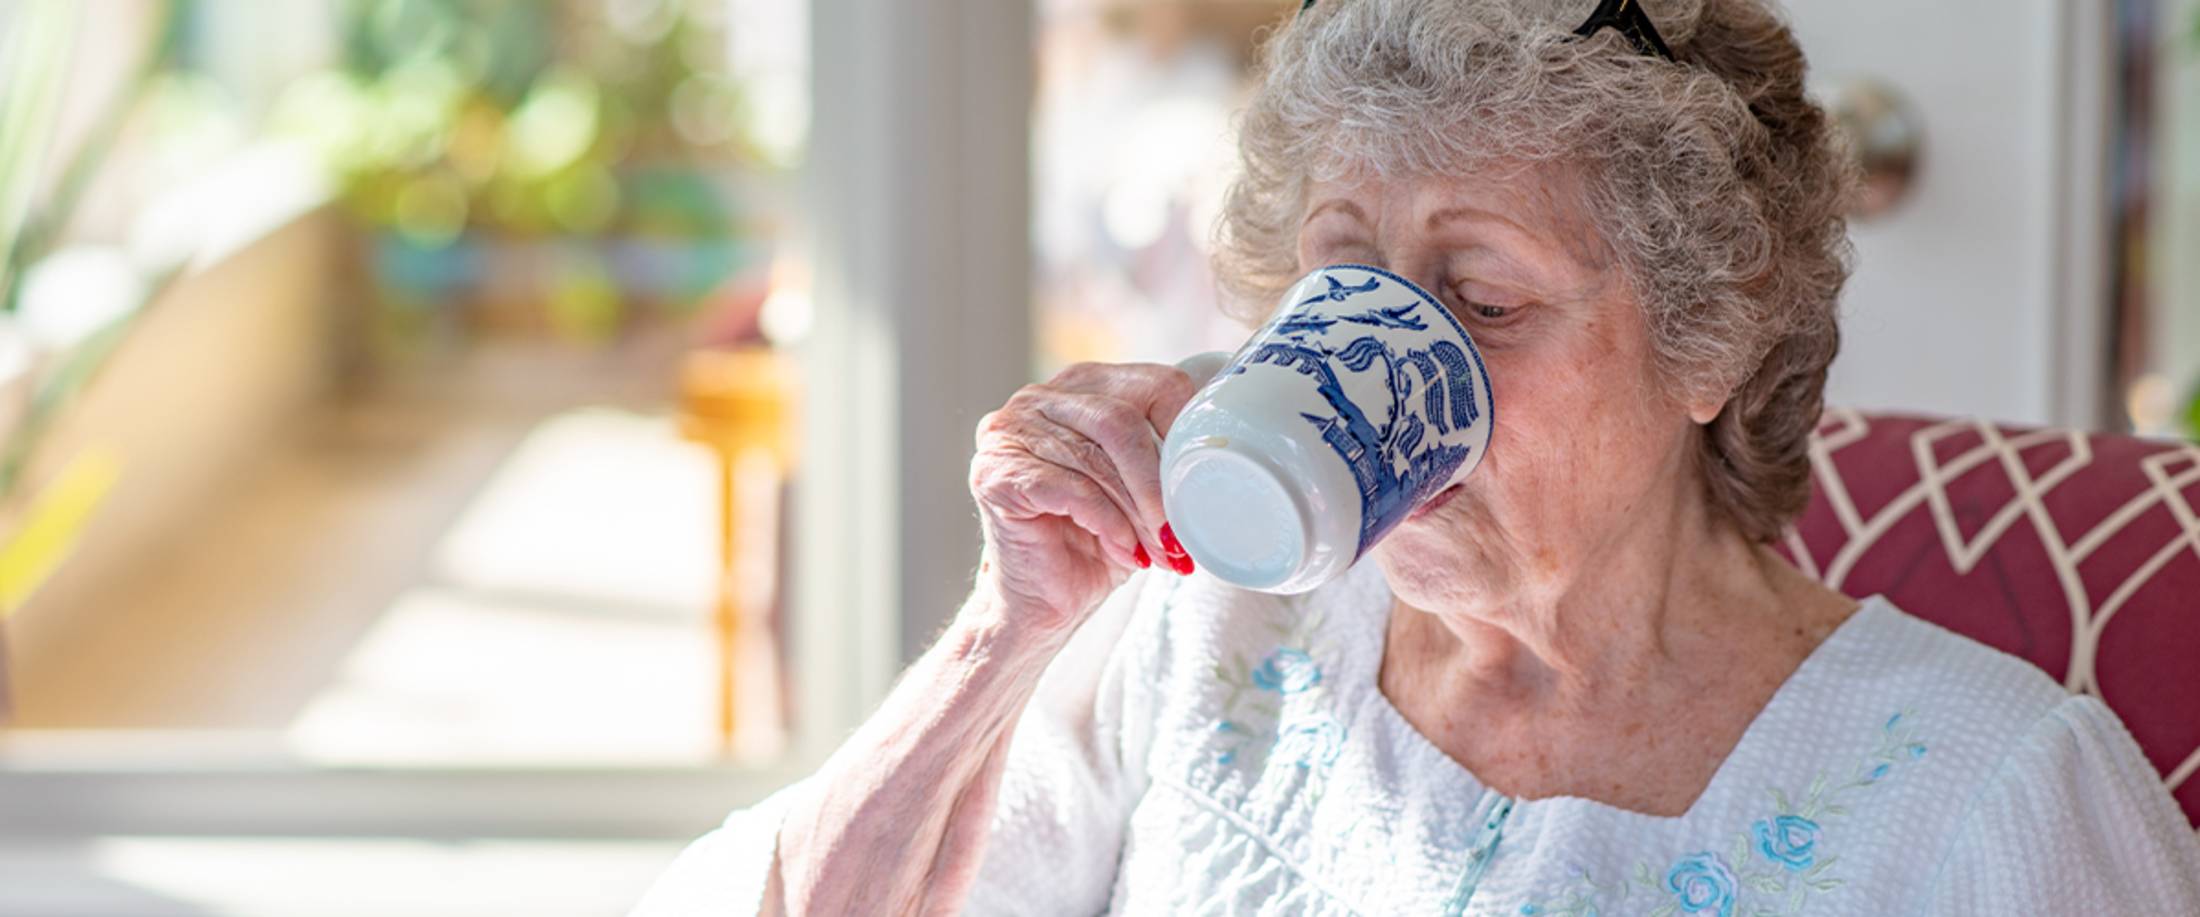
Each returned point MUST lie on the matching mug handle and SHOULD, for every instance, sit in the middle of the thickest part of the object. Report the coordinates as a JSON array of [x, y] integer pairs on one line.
[[1202, 367]]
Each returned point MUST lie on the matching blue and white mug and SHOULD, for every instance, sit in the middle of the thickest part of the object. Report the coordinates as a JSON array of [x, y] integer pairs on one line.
[[1357, 402]]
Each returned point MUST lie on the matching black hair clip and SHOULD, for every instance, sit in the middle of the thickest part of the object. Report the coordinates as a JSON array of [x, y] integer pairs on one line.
[[1626, 16]]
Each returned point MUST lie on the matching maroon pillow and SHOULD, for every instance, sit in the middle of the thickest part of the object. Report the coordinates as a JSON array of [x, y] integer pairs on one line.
[[2077, 551]]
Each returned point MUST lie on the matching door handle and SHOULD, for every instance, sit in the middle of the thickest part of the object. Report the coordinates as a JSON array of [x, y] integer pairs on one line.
[[1885, 137]]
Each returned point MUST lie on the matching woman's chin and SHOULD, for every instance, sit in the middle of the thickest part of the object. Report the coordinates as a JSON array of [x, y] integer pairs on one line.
[[1424, 556], [1429, 579], [1434, 554]]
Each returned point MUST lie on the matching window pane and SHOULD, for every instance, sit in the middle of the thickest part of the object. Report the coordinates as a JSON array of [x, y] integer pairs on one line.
[[431, 474]]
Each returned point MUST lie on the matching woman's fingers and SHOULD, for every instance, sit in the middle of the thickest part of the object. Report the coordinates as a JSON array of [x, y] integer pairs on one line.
[[1157, 389], [1068, 473], [1116, 442], [1021, 484], [1125, 410]]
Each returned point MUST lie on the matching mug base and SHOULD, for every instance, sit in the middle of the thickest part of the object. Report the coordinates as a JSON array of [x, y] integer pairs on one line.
[[1236, 517]]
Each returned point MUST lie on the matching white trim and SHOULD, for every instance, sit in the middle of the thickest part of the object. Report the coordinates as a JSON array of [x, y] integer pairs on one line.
[[155, 783]]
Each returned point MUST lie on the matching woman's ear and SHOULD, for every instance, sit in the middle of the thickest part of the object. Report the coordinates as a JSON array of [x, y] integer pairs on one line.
[[1704, 412], [1704, 400]]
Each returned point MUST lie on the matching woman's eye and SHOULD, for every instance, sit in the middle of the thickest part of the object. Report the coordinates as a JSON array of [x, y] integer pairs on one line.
[[1472, 302], [1486, 312]]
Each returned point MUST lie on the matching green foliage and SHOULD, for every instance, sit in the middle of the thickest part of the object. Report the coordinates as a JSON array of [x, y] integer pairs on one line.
[[523, 118], [36, 58], [34, 212]]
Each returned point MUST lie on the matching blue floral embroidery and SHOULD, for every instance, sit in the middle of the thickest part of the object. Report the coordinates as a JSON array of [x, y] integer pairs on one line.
[[1788, 840], [1287, 671], [1312, 741], [1254, 710], [1702, 882], [1789, 843], [1896, 747], [1581, 897]]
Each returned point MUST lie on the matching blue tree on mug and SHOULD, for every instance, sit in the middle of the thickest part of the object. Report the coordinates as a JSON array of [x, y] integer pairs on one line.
[[1394, 460]]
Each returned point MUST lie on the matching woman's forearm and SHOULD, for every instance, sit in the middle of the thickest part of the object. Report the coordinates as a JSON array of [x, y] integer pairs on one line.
[[896, 823]]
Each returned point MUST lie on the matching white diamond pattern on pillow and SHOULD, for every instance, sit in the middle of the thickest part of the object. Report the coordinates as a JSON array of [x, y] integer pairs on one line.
[[1936, 513]]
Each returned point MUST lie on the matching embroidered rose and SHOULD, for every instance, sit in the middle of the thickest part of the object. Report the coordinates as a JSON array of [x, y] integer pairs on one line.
[[1705, 882], [1311, 741], [1287, 671], [1789, 840], [1702, 882]]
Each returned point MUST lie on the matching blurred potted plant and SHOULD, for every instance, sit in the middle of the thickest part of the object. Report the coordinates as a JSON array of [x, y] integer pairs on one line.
[[522, 166]]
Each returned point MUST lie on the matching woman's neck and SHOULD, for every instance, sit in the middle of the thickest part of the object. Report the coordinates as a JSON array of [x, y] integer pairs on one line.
[[1627, 687], [1663, 595]]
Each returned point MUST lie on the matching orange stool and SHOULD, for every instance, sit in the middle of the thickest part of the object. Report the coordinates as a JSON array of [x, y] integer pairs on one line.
[[740, 404]]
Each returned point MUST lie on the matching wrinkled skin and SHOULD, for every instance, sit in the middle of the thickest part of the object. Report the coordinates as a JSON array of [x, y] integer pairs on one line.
[[1560, 610]]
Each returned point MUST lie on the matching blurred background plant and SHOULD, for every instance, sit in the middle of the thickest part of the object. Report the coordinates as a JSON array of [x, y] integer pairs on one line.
[[388, 248], [575, 171], [51, 346], [567, 168]]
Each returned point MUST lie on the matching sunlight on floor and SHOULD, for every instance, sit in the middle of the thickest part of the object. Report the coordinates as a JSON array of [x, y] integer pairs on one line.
[[564, 618], [454, 677], [596, 506]]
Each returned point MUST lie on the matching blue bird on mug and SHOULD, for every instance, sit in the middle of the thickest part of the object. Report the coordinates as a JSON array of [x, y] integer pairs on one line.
[[1338, 292], [1393, 317], [1314, 323]]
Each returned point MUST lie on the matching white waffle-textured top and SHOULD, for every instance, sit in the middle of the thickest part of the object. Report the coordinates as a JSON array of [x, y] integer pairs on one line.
[[1203, 749]]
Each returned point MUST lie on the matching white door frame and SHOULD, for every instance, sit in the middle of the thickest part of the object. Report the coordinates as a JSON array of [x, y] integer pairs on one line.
[[921, 252]]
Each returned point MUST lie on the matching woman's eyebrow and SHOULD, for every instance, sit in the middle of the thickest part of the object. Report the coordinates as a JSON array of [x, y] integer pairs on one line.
[[1459, 213], [1581, 255], [1343, 205]]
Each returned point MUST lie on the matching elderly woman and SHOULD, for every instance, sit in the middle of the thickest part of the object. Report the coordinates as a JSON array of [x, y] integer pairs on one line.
[[1577, 683]]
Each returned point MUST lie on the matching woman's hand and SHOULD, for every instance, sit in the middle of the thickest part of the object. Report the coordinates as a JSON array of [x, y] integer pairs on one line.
[[1067, 478], [1068, 482]]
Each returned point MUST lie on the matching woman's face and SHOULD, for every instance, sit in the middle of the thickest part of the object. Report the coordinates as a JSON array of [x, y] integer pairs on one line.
[[1586, 443]]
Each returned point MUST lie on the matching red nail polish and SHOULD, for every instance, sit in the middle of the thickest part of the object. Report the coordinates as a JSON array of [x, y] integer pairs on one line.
[[1179, 559], [1140, 556]]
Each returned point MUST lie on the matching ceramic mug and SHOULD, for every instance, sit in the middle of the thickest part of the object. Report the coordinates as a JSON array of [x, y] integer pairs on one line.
[[1359, 400]]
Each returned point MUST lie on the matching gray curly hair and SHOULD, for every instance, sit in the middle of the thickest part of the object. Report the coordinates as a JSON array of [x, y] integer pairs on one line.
[[1716, 186]]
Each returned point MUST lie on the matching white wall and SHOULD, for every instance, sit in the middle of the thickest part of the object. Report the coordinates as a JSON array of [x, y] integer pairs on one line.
[[1981, 294]]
